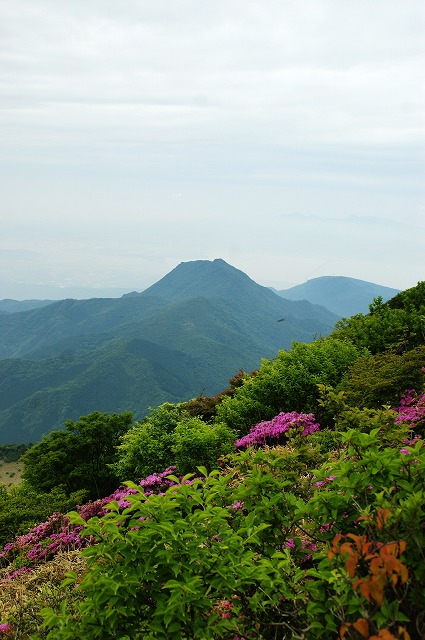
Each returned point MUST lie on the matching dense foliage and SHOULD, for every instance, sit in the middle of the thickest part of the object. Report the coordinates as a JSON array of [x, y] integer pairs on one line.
[[398, 324], [12, 452], [287, 383], [286, 539], [199, 443], [378, 380], [21, 507], [78, 457], [147, 446], [169, 435]]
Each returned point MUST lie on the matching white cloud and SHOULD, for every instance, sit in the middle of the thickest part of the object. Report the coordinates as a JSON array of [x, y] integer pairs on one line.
[[250, 109]]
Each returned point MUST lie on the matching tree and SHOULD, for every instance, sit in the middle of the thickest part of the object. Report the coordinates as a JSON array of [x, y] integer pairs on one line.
[[198, 443], [397, 325], [79, 457], [147, 446], [205, 407], [287, 383], [374, 381]]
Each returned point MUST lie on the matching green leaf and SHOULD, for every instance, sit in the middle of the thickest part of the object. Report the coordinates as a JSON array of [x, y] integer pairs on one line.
[[203, 471]]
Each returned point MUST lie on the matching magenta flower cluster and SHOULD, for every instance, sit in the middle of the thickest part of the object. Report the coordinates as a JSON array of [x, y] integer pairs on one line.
[[325, 481], [272, 431], [56, 534], [237, 506], [42, 543], [6, 629], [412, 409], [305, 545], [158, 482]]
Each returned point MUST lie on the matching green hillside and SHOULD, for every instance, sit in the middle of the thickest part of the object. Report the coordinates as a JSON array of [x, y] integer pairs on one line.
[[22, 334], [184, 336], [37, 396]]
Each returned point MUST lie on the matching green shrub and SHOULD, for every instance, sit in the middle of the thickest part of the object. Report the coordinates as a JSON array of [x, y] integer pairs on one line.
[[197, 443], [397, 325], [12, 452], [374, 381], [147, 446], [177, 569], [79, 457], [288, 383], [274, 548]]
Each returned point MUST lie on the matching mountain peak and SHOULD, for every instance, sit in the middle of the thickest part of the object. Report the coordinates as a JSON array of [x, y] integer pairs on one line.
[[203, 278], [343, 295]]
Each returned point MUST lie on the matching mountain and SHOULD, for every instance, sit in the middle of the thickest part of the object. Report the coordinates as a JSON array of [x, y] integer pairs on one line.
[[343, 296], [185, 335], [60, 324], [14, 306], [206, 279]]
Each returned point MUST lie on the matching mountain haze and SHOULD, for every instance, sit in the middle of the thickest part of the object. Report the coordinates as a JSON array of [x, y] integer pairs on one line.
[[341, 295], [185, 335], [14, 306]]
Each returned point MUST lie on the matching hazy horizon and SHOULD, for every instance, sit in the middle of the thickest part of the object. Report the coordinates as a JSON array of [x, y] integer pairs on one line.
[[285, 137], [82, 294]]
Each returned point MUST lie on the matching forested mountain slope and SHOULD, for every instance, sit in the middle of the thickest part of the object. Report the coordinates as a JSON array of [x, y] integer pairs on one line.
[[184, 336]]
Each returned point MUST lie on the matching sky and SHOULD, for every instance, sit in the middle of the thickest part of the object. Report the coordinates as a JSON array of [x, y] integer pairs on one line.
[[286, 137]]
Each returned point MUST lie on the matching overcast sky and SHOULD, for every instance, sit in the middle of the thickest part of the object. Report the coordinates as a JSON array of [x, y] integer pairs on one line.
[[284, 136]]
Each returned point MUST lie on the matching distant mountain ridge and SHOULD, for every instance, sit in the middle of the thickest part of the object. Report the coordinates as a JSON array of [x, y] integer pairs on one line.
[[15, 306], [185, 335], [344, 296]]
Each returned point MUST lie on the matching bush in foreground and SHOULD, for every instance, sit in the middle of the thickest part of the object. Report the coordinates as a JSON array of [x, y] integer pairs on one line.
[[287, 542], [316, 554]]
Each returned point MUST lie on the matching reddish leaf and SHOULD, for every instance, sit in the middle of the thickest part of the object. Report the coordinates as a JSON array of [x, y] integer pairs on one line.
[[336, 540], [366, 518], [346, 547], [377, 566], [351, 566], [364, 588], [384, 634], [404, 573], [376, 591], [382, 517], [362, 626], [393, 548], [359, 541]]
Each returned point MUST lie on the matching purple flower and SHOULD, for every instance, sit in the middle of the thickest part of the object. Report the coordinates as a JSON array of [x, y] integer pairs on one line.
[[412, 409], [272, 430], [6, 629], [305, 544], [238, 506]]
